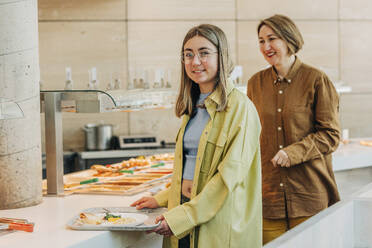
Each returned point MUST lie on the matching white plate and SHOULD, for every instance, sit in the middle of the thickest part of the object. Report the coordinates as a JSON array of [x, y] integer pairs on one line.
[[139, 219], [145, 219]]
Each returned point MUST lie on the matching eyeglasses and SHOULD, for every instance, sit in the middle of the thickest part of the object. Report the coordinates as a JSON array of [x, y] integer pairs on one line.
[[188, 56]]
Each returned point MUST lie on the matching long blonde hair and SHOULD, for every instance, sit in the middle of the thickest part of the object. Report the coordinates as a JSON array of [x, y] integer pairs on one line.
[[189, 90]]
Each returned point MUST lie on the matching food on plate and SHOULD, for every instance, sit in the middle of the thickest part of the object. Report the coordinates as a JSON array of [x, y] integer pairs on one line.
[[112, 216], [92, 219], [107, 218], [101, 168], [162, 157], [104, 187], [133, 162], [71, 185], [126, 182], [160, 171], [117, 219], [131, 165]]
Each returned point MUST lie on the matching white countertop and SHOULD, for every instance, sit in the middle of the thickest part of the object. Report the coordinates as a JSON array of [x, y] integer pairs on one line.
[[352, 156], [50, 218], [345, 224]]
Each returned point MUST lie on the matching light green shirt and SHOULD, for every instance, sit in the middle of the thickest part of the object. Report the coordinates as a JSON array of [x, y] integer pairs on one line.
[[225, 209]]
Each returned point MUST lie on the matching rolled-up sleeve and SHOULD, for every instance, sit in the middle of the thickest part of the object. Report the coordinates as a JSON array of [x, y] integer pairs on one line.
[[162, 197]]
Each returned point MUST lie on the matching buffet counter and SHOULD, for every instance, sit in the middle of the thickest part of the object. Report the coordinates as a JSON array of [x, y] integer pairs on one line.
[[352, 155], [347, 224], [50, 218]]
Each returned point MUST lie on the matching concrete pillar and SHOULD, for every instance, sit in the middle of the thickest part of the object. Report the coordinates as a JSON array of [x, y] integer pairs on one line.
[[20, 149]]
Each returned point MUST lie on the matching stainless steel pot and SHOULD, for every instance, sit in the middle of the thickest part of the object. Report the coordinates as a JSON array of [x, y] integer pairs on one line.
[[104, 135], [98, 137], [90, 136]]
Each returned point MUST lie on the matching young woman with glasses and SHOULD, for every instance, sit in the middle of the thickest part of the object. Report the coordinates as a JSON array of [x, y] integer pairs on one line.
[[215, 196]]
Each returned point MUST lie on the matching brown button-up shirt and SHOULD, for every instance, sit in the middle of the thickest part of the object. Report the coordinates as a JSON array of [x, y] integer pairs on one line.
[[298, 114]]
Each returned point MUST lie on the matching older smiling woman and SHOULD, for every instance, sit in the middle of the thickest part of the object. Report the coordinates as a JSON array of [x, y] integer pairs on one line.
[[298, 108]]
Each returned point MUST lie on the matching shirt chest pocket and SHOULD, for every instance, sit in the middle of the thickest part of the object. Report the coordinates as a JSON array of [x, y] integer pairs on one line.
[[213, 152], [299, 121]]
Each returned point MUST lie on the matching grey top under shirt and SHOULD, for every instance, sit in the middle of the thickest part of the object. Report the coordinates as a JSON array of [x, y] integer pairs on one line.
[[191, 138]]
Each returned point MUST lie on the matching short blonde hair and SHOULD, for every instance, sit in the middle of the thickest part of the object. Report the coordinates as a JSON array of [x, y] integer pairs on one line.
[[189, 90], [286, 30]]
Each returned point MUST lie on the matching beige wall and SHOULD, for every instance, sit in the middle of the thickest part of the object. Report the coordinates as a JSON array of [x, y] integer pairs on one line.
[[118, 36]]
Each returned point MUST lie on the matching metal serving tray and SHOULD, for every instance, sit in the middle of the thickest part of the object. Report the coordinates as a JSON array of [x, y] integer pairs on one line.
[[149, 224]]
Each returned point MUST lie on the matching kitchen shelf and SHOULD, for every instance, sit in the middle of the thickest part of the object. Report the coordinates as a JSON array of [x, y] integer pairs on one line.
[[135, 100], [96, 101]]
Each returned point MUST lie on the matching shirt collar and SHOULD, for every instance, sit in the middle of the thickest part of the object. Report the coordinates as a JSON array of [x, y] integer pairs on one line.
[[216, 94], [292, 72]]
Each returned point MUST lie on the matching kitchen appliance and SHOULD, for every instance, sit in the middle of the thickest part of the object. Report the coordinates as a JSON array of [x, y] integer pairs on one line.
[[90, 137], [104, 135], [138, 141], [98, 136]]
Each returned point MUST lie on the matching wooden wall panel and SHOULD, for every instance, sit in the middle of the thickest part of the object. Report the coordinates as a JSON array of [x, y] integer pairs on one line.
[[181, 10], [316, 9], [82, 9], [93, 33], [81, 46], [249, 55], [321, 48], [356, 9], [356, 55], [355, 114], [162, 123]]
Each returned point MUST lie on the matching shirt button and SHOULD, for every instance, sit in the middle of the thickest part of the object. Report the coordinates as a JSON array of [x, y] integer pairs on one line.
[[279, 110], [281, 184], [279, 128], [199, 158], [206, 132], [280, 92], [281, 146], [289, 80]]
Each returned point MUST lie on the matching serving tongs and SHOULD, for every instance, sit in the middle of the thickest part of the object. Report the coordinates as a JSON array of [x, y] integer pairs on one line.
[[16, 224]]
